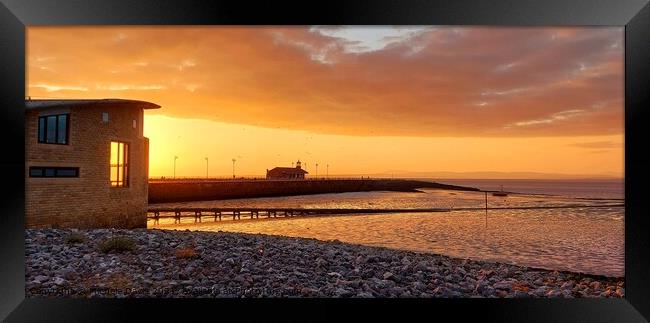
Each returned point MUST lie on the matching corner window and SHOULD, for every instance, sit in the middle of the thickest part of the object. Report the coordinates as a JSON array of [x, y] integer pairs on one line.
[[105, 117], [119, 164], [47, 171], [53, 129]]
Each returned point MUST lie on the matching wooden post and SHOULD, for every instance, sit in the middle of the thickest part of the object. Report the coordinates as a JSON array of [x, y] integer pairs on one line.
[[486, 208]]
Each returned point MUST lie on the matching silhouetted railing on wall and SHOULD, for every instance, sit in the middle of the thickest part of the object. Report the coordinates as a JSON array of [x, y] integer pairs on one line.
[[225, 178]]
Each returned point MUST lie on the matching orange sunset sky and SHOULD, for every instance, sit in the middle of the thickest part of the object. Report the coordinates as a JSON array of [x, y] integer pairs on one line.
[[402, 101]]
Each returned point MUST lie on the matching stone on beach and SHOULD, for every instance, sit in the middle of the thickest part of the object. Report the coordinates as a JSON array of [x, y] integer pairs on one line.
[[231, 265]]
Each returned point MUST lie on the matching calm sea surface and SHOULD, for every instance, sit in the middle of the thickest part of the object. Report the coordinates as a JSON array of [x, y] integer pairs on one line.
[[582, 239]]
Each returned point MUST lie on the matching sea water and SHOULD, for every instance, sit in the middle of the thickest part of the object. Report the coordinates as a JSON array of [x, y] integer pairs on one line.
[[580, 239]]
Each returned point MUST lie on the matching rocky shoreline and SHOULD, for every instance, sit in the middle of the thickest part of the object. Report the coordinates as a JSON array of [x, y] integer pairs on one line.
[[165, 263]]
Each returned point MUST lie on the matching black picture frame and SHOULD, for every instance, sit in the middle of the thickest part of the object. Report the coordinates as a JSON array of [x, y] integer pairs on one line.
[[633, 14]]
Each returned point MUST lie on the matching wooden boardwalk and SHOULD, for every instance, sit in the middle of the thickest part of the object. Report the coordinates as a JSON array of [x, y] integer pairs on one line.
[[157, 213], [236, 213]]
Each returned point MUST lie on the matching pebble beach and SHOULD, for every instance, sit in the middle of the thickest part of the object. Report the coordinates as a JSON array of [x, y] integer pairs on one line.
[[190, 264]]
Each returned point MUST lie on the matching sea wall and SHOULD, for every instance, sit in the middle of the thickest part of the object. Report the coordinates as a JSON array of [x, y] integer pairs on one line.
[[181, 191]]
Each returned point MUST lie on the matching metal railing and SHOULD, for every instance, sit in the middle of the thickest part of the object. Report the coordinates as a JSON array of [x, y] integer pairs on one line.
[[253, 178]]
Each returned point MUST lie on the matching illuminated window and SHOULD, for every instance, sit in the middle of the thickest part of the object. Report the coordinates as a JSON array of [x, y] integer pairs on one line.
[[53, 129], [119, 164]]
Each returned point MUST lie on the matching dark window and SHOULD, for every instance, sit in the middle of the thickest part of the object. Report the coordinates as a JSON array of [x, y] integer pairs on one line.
[[53, 129], [50, 130], [41, 129], [35, 172], [47, 171], [119, 164], [62, 130], [50, 172], [68, 172]]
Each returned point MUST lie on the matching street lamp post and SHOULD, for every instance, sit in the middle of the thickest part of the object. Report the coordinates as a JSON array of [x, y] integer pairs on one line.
[[327, 172], [175, 157], [316, 170], [233, 168], [206, 167]]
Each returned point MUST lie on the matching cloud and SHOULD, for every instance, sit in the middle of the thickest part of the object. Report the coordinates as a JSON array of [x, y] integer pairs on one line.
[[57, 88], [598, 145], [424, 81], [126, 87], [363, 39], [558, 116]]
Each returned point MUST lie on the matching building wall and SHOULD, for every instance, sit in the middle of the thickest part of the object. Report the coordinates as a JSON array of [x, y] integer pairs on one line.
[[284, 174], [87, 201]]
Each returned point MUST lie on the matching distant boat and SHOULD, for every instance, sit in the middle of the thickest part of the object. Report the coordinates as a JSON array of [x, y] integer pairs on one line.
[[500, 193]]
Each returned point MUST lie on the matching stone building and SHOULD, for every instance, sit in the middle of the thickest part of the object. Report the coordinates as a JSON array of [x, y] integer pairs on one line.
[[287, 172], [86, 163]]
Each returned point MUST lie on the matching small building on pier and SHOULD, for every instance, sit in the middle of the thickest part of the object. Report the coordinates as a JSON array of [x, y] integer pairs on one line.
[[287, 172]]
